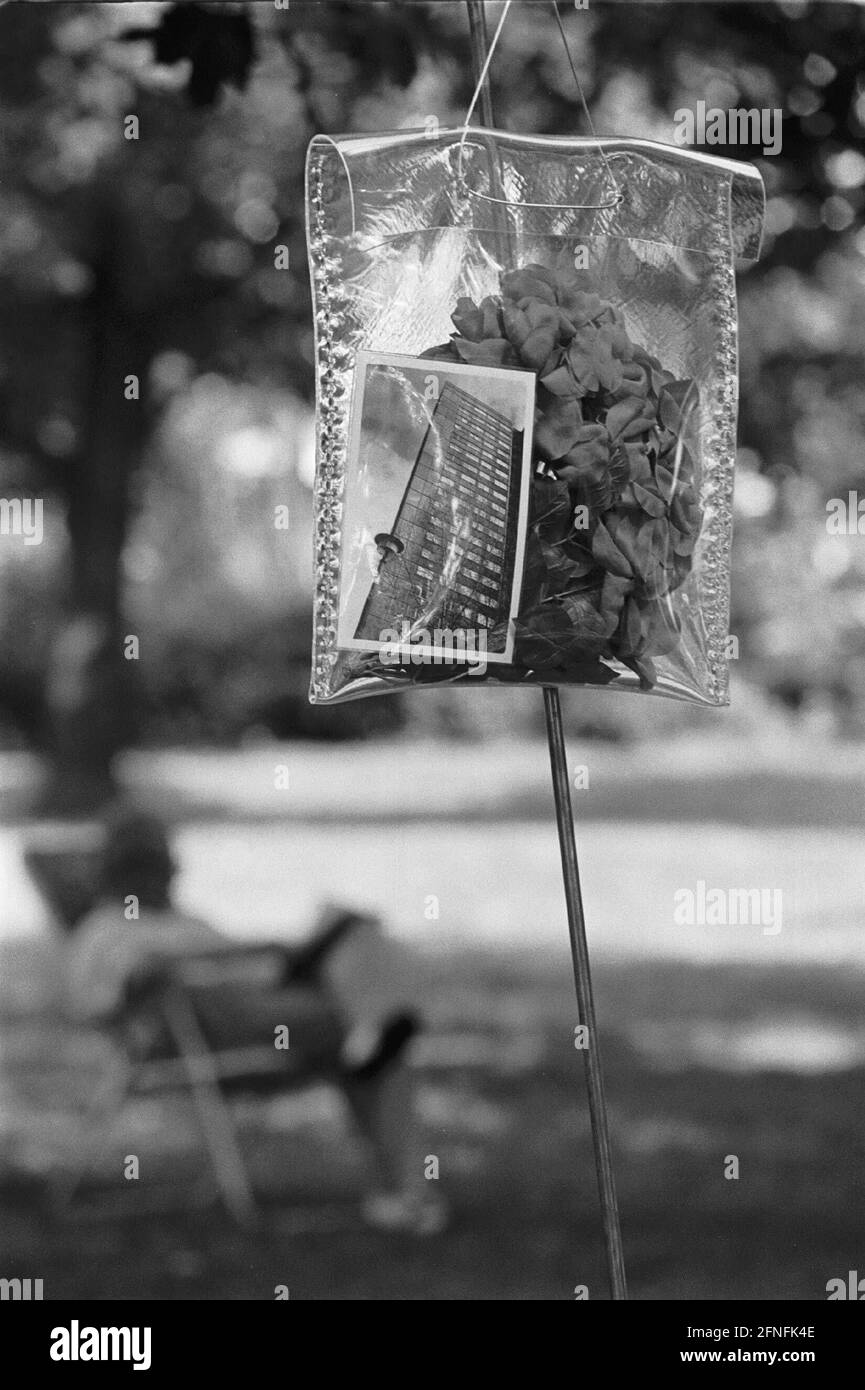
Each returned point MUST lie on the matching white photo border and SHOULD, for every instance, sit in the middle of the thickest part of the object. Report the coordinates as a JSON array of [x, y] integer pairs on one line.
[[526, 381]]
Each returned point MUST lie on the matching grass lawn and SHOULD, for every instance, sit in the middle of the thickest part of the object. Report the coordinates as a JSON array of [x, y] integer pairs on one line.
[[702, 1062]]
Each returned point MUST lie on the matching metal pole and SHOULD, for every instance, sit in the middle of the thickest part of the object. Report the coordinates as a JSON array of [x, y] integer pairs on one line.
[[480, 42], [570, 864], [585, 997]]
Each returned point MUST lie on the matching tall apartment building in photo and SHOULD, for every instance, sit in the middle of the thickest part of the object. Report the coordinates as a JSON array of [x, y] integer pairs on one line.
[[465, 482]]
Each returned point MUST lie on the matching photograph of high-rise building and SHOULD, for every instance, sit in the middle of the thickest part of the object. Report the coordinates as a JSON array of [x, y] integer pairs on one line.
[[448, 557]]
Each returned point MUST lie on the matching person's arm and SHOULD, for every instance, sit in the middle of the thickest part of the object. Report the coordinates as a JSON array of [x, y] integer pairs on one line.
[[112, 960], [99, 966]]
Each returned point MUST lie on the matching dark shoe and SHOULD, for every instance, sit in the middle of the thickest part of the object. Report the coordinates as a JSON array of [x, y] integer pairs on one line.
[[393, 1040]]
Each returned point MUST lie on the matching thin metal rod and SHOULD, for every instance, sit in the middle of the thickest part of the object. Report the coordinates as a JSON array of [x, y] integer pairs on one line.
[[480, 42], [570, 865], [585, 997]]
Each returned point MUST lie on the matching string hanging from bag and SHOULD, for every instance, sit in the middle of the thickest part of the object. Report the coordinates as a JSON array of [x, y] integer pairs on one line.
[[479, 87]]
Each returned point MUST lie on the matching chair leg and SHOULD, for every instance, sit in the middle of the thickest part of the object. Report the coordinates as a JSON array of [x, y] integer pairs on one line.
[[105, 1104], [214, 1115]]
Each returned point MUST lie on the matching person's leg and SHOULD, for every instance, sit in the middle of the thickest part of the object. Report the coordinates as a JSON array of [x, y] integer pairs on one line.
[[384, 1109], [232, 1016], [373, 977], [377, 1084], [304, 961]]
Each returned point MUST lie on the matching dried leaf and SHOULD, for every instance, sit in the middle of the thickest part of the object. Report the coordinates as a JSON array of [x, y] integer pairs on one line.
[[559, 429], [629, 637], [662, 629], [613, 594], [565, 563], [443, 352], [642, 543], [579, 306], [492, 352], [581, 359], [551, 509], [657, 582], [659, 377], [621, 414], [588, 626], [543, 636], [532, 282], [533, 331], [644, 668], [515, 324], [608, 554], [590, 447], [677, 402], [468, 320], [585, 469], [561, 383], [620, 467], [493, 324], [649, 501]]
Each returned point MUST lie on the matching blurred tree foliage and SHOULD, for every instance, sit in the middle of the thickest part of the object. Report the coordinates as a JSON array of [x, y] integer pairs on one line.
[[118, 254]]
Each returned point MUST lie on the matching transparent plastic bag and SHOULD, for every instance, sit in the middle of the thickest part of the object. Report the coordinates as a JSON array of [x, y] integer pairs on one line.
[[526, 411]]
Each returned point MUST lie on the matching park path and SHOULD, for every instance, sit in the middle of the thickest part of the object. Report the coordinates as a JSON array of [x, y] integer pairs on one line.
[[443, 886]]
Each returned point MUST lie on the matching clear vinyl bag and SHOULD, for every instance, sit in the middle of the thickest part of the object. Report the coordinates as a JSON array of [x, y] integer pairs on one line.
[[526, 410]]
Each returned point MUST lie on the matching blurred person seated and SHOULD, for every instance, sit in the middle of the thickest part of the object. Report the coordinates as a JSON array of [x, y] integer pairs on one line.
[[335, 994]]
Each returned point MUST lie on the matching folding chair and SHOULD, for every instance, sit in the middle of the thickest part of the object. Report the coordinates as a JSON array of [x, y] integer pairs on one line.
[[67, 875], [186, 1063], [65, 868]]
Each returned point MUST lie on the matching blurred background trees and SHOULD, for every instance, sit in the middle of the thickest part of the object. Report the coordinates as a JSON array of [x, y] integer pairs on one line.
[[156, 368]]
